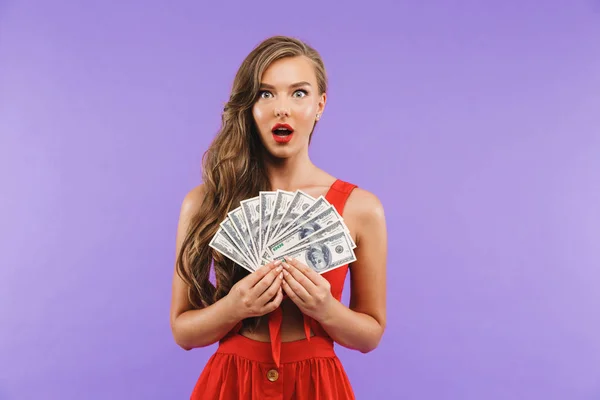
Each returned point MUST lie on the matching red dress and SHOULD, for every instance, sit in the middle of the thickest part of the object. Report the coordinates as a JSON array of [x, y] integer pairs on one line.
[[306, 369]]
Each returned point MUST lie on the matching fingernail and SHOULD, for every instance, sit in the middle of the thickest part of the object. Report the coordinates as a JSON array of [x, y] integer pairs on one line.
[[285, 273], [281, 275], [278, 269], [286, 265], [276, 263]]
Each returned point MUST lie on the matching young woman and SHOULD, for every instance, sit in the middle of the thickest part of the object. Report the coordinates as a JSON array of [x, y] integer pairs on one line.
[[275, 326]]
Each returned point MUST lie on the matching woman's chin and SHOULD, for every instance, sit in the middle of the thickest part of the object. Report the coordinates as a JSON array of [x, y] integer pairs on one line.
[[281, 153]]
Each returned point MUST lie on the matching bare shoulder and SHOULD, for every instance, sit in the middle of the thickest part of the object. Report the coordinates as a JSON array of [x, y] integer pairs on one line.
[[364, 210], [192, 201], [190, 206], [364, 203]]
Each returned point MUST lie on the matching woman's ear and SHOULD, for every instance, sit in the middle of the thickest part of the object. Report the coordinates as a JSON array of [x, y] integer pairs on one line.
[[321, 106]]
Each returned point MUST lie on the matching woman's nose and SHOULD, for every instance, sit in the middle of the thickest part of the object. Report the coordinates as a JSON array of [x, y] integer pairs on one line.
[[281, 112]]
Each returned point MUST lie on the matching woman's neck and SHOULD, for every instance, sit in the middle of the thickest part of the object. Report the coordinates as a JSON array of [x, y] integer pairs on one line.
[[290, 173]]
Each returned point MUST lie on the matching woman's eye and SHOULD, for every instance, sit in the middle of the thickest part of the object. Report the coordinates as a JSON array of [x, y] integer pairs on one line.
[[302, 92], [265, 94]]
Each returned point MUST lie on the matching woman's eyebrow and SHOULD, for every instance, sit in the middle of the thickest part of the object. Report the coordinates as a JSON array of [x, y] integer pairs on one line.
[[293, 85]]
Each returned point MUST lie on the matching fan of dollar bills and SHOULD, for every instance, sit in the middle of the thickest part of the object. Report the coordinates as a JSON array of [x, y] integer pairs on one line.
[[279, 224]]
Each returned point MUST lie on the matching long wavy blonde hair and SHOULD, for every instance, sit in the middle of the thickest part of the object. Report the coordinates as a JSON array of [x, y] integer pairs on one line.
[[233, 170]]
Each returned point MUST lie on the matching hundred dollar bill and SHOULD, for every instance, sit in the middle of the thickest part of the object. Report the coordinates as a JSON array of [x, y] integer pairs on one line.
[[324, 254], [294, 236], [224, 245], [327, 231], [299, 203], [238, 241], [319, 205], [239, 223], [251, 211], [266, 201], [282, 201]]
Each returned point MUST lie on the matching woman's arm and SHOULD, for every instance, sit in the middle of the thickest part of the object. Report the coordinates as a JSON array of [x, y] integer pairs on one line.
[[203, 327], [195, 328], [257, 294], [361, 325]]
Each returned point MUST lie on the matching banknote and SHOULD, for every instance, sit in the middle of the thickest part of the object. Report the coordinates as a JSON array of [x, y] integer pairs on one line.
[[251, 211], [294, 236], [319, 205], [299, 203], [266, 202], [237, 240], [224, 245], [239, 222], [327, 231], [324, 254], [282, 202], [280, 223]]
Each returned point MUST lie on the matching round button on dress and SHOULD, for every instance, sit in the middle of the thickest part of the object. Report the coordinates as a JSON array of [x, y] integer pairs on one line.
[[272, 375]]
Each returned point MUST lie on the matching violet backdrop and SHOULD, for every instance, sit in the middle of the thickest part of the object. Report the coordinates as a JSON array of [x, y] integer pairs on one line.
[[476, 123]]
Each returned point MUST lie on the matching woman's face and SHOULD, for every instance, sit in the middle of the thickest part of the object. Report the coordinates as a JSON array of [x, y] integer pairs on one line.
[[289, 98]]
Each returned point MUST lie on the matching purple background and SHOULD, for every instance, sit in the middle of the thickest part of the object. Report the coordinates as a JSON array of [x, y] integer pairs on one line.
[[477, 125]]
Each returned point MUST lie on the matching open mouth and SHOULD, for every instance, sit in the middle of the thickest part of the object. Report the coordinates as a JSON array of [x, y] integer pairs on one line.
[[282, 132]]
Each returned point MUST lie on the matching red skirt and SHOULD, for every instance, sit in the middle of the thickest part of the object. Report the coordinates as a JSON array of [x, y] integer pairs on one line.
[[243, 368]]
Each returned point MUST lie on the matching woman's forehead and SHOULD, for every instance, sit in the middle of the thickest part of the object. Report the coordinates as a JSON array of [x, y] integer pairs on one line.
[[289, 71]]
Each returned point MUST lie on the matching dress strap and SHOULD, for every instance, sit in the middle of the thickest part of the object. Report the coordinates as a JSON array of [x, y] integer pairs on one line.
[[337, 196], [275, 319]]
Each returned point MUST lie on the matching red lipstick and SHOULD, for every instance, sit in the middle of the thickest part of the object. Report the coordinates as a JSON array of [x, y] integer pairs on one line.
[[282, 133]]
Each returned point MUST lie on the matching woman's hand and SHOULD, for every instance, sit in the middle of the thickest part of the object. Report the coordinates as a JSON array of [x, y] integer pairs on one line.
[[258, 293], [307, 289]]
